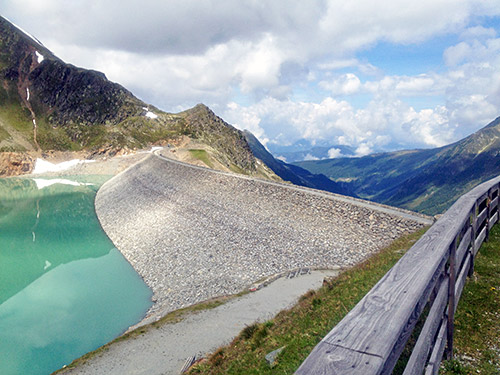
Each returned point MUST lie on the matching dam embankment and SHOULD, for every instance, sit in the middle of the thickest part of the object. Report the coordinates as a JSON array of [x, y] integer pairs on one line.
[[193, 233]]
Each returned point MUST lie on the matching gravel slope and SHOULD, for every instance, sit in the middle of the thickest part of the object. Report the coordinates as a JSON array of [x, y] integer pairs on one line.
[[193, 233]]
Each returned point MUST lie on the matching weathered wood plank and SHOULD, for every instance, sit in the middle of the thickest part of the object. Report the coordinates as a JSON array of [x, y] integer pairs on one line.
[[381, 323], [479, 240], [459, 286], [452, 272], [481, 217], [335, 360], [464, 245], [437, 351], [493, 219], [481, 191], [418, 358], [494, 203], [473, 249], [483, 196]]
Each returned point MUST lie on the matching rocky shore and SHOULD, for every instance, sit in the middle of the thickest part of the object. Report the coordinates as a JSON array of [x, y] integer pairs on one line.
[[193, 234]]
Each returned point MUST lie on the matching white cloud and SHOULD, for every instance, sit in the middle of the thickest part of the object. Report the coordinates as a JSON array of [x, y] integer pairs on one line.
[[383, 123], [334, 153], [456, 54], [478, 32], [473, 94], [346, 84], [261, 65], [363, 149], [310, 157]]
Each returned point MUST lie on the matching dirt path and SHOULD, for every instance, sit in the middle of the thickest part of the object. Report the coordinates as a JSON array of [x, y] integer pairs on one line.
[[164, 350]]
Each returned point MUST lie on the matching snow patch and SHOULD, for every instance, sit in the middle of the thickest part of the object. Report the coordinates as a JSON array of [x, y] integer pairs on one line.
[[39, 57], [149, 114], [43, 183], [27, 93], [42, 166]]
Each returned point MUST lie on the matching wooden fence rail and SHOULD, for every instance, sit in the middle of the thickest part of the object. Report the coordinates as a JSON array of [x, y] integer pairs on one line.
[[432, 274]]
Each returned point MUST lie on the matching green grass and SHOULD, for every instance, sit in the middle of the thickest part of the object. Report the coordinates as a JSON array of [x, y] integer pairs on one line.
[[17, 117], [54, 138], [4, 134], [203, 156], [300, 328], [477, 320], [234, 168]]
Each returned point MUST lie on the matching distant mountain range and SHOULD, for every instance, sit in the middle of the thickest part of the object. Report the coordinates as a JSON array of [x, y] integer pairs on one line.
[[427, 181], [293, 173], [46, 104], [303, 149]]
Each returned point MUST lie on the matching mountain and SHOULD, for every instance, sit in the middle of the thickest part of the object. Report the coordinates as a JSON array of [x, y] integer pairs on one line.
[[293, 173], [427, 181], [46, 104]]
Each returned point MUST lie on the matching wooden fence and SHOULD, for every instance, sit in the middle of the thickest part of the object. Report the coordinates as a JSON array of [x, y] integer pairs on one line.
[[371, 337]]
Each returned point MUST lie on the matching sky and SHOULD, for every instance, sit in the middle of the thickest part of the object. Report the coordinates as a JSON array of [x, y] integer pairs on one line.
[[376, 75]]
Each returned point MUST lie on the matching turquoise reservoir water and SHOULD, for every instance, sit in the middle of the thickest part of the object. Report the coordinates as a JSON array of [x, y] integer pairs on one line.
[[64, 289]]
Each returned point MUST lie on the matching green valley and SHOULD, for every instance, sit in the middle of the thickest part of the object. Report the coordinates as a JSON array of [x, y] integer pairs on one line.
[[427, 181]]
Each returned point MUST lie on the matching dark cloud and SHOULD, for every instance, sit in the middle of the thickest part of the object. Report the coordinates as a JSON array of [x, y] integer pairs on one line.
[[173, 27]]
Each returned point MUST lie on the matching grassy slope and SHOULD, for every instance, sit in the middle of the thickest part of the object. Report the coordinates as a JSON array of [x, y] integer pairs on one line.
[[477, 321], [203, 156], [299, 329]]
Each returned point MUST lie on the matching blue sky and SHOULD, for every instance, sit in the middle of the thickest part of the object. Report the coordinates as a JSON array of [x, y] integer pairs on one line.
[[371, 74]]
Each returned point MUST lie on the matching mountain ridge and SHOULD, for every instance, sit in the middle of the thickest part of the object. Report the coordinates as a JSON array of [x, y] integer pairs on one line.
[[47, 104], [426, 180]]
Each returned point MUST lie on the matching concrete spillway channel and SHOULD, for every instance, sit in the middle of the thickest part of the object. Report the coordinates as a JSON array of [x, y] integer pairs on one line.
[[193, 233]]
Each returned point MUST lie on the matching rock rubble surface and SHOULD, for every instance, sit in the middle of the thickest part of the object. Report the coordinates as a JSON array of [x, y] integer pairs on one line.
[[193, 234]]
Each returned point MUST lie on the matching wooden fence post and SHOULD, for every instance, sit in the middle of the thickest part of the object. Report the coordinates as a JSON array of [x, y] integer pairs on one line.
[[473, 239], [488, 216], [451, 298]]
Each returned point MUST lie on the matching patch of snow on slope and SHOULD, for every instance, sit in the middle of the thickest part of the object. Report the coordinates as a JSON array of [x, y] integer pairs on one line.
[[42, 166], [149, 114], [39, 57], [43, 183], [27, 93]]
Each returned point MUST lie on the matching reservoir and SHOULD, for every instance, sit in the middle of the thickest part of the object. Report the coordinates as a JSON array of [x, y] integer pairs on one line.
[[65, 289]]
